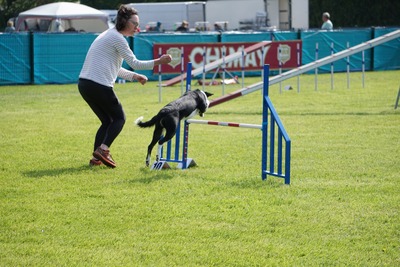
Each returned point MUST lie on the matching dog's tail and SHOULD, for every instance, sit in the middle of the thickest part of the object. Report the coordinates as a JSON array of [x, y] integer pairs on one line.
[[145, 124]]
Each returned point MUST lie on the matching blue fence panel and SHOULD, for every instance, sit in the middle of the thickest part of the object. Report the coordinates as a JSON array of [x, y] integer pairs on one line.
[[15, 62], [285, 36], [43, 58], [387, 55], [143, 46], [339, 40], [235, 37], [58, 58]]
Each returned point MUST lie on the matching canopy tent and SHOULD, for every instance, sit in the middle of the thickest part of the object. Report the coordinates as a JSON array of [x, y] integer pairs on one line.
[[62, 16]]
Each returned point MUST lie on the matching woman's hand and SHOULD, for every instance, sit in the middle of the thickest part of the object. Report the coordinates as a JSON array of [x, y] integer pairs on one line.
[[164, 59], [140, 78]]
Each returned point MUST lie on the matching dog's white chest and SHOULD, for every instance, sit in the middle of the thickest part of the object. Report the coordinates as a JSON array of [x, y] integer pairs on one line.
[[191, 115]]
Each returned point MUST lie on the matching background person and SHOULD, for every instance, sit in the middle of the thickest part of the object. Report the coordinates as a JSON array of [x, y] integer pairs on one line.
[[158, 27], [102, 66], [10, 27], [217, 27], [327, 25], [184, 27]]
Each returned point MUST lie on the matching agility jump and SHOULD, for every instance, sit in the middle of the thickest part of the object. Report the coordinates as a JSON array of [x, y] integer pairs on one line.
[[275, 142]]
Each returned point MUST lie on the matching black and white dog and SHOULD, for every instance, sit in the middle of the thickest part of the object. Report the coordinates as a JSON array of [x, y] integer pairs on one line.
[[185, 107]]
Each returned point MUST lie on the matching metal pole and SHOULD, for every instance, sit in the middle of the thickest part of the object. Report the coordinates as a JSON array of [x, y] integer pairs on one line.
[[264, 142], [280, 67], [332, 67], [363, 68], [298, 65], [262, 63], [186, 124], [316, 69], [182, 68], [159, 77], [223, 69], [280, 72], [348, 68], [204, 66], [242, 66]]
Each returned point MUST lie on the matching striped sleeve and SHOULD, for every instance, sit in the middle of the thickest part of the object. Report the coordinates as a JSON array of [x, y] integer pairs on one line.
[[126, 53]]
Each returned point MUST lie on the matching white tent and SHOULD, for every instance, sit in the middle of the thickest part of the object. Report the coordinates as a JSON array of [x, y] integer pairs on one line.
[[62, 16]]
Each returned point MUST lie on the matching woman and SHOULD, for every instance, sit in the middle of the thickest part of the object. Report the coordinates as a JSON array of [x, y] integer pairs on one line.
[[102, 66]]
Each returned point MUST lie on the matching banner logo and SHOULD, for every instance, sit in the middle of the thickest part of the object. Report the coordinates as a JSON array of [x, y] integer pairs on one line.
[[283, 53], [176, 56]]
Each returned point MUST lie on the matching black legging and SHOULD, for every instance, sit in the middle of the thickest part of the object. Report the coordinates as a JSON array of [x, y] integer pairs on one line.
[[105, 104]]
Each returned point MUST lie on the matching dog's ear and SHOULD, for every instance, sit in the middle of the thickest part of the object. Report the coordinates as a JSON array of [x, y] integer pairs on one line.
[[208, 94]]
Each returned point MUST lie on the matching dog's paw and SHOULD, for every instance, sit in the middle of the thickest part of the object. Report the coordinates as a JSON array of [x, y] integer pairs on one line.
[[138, 120]]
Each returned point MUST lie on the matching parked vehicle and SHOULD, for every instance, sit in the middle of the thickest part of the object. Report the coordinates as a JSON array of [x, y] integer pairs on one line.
[[170, 14]]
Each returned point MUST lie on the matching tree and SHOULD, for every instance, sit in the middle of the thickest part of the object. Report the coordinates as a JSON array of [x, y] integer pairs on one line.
[[114, 4], [11, 8], [355, 13], [105, 4]]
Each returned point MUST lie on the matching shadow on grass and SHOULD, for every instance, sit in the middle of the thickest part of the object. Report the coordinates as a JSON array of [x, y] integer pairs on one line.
[[238, 112], [149, 176], [258, 183], [56, 171]]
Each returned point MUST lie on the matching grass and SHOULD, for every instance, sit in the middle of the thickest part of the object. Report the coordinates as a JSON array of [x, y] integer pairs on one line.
[[342, 208]]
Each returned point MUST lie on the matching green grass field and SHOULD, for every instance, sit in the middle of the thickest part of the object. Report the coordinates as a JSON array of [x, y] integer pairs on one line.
[[341, 209]]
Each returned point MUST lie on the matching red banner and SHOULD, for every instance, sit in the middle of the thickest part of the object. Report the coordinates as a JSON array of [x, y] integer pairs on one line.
[[287, 52]]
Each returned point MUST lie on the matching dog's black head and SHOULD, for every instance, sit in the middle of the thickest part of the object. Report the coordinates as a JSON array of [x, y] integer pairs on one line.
[[203, 105]]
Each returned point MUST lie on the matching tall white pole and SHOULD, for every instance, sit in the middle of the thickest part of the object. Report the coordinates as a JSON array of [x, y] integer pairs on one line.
[[223, 69], [280, 67], [182, 69], [316, 69], [298, 65], [204, 66], [242, 66], [332, 66], [363, 68], [159, 77], [348, 68]]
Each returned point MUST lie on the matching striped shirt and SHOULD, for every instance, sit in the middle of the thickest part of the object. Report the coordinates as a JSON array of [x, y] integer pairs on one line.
[[103, 63]]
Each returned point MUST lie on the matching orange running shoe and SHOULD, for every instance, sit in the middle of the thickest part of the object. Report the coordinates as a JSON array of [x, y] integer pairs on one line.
[[105, 157]]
